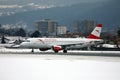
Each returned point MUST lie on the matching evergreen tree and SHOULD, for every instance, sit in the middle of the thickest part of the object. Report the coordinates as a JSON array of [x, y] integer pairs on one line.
[[118, 32], [3, 40], [21, 32], [36, 34]]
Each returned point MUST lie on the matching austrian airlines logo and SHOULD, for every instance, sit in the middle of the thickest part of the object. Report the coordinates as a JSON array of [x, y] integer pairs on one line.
[[41, 40], [97, 31]]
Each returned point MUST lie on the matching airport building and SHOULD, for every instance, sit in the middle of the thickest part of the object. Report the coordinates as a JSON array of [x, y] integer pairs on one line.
[[61, 30], [46, 27], [85, 27], [76, 26]]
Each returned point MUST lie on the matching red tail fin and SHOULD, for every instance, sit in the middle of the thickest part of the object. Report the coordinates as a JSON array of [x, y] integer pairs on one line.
[[96, 32]]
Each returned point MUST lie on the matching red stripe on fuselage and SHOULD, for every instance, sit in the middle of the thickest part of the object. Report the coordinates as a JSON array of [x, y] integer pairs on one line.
[[41, 40]]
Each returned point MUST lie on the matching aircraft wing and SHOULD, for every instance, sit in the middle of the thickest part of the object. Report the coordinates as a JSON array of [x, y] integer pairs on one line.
[[68, 45]]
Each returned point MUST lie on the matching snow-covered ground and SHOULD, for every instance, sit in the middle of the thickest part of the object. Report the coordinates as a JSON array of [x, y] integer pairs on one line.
[[30, 67], [57, 67], [4, 50]]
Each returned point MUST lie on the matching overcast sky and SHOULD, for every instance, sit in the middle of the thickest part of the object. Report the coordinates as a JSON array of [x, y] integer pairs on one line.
[[47, 1]]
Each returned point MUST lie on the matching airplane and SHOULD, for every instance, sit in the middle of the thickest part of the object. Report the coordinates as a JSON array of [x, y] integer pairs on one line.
[[58, 44]]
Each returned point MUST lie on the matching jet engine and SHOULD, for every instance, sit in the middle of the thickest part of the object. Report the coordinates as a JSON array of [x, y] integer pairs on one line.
[[57, 48]]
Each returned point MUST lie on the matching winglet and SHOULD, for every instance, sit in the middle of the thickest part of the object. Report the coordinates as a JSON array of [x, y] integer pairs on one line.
[[96, 32]]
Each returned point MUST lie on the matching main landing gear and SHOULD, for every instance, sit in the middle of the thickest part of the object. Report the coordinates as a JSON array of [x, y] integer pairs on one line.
[[56, 51], [65, 51], [32, 50]]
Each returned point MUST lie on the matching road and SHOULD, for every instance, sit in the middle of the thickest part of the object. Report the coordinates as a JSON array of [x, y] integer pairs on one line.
[[64, 56]]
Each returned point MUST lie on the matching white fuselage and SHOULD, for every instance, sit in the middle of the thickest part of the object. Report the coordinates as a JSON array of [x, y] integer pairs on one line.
[[50, 42]]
